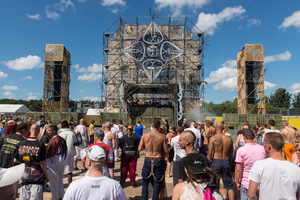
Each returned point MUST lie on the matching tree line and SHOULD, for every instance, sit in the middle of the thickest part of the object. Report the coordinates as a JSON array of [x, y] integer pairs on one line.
[[280, 100]]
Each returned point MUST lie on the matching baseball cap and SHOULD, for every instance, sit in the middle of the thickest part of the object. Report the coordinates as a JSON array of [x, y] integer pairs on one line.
[[11, 175], [95, 153], [99, 132], [197, 163]]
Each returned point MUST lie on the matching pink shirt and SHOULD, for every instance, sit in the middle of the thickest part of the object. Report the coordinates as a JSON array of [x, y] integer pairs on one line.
[[247, 155]]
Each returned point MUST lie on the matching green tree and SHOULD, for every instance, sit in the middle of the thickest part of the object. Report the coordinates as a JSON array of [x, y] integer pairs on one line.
[[296, 100], [281, 98]]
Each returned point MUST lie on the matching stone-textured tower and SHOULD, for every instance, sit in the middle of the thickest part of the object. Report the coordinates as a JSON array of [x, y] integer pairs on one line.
[[250, 80], [56, 78]]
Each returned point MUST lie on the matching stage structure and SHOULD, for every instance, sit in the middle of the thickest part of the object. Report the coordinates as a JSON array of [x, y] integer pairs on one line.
[[152, 68], [56, 78], [250, 80]]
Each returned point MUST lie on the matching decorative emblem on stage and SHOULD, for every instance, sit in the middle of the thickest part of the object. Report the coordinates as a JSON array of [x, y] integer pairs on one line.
[[152, 51]]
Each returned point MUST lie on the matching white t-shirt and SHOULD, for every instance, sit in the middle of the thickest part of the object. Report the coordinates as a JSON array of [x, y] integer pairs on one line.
[[178, 152], [277, 179], [197, 133], [90, 188], [268, 131]]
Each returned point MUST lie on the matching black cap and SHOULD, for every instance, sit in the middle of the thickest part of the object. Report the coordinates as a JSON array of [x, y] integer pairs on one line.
[[99, 132], [197, 162]]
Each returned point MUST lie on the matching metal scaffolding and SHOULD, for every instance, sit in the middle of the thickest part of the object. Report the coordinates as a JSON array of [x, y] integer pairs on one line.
[[153, 62], [56, 78]]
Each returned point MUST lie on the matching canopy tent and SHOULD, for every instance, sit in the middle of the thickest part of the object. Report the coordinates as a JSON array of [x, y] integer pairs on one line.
[[13, 108], [94, 111]]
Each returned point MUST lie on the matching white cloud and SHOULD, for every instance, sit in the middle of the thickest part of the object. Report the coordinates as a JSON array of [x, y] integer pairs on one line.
[[269, 86], [51, 14], [32, 95], [76, 66], [94, 68], [34, 17], [63, 5], [81, 91], [295, 88], [9, 95], [177, 5], [209, 22], [286, 56], [24, 63], [113, 2], [253, 22], [227, 71], [27, 78], [92, 98], [293, 20], [3, 75], [91, 77], [229, 84], [10, 87]]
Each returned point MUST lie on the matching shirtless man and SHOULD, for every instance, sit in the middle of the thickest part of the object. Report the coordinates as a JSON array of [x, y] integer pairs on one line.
[[109, 139], [210, 130], [289, 135], [220, 146], [155, 145]]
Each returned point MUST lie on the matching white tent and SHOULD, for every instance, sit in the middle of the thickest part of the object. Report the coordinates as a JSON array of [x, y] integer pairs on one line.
[[13, 108], [94, 111]]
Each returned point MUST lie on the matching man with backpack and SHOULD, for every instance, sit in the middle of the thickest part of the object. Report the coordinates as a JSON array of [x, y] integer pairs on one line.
[[82, 130], [57, 153], [66, 133]]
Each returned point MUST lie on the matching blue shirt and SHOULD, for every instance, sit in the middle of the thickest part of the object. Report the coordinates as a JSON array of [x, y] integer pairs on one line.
[[139, 131], [2, 131]]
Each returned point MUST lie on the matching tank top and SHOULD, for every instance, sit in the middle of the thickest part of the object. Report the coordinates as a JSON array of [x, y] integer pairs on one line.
[[108, 142], [80, 128], [190, 192]]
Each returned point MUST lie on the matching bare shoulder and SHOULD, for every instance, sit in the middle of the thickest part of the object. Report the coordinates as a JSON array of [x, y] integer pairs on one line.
[[178, 191], [283, 131], [227, 139]]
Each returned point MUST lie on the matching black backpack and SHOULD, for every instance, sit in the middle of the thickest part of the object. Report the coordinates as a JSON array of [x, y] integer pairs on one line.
[[78, 138]]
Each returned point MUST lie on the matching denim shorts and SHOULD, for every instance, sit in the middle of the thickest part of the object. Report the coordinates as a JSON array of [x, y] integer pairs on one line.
[[225, 171]]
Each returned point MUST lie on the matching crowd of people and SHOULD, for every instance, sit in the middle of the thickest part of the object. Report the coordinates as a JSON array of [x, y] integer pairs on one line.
[[263, 162]]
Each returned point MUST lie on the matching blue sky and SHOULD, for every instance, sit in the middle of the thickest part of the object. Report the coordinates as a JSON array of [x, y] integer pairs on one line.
[[27, 26]]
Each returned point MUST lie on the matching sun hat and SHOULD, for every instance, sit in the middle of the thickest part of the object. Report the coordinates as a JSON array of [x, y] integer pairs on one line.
[[11, 175]]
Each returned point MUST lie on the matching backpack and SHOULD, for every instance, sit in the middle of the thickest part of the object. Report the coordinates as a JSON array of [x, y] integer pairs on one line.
[[78, 138], [208, 195]]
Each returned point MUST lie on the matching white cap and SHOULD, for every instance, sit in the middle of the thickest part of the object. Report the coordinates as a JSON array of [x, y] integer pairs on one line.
[[11, 175], [95, 153]]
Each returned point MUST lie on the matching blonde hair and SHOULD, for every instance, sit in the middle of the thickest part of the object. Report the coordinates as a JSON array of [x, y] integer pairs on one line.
[[297, 139], [103, 127], [43, 132], [130, 131], [226, 130]]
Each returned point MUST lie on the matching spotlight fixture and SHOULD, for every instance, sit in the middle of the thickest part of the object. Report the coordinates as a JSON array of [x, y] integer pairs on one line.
[[199, 66], [106, 34], [200, 35], [106, 50], [200, 50], [106, 66], [105, 81]]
